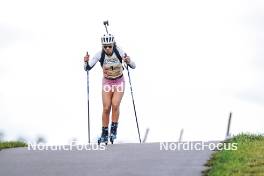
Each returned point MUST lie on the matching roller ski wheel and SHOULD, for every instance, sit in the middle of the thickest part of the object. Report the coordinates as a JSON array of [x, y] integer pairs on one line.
[[102, 140], [112, 138]]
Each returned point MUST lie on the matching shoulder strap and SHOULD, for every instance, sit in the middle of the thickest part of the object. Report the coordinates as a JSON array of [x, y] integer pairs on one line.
[[102, 58], [117, 54]]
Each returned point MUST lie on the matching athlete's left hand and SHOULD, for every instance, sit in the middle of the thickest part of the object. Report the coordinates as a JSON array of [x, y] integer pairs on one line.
[[126, 59]]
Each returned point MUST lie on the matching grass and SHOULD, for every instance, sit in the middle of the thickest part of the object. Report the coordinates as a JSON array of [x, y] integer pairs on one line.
[[12, 144], [247, 160]]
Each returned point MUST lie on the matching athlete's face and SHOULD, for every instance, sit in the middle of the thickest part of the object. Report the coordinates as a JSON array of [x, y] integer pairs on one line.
[[108, 49]]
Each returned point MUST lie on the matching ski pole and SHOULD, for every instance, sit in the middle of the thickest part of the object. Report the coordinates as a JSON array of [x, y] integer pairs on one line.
[[128, 73], [88, 103], [106, 24]]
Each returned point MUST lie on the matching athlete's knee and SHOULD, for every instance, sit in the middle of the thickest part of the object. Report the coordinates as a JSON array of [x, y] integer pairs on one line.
[[106, 109], [115, 106]]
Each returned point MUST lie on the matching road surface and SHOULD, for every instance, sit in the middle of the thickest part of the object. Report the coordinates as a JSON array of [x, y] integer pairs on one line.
[[114, 160]]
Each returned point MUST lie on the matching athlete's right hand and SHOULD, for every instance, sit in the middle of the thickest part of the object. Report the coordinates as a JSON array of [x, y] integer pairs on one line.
[[86, 57]]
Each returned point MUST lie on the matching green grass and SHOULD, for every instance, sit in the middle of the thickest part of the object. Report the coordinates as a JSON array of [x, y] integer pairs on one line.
[[12, 144], [247, 160]]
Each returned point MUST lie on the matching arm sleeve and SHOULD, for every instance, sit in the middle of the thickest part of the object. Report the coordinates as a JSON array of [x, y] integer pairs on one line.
[[132, 64], [89, 65]]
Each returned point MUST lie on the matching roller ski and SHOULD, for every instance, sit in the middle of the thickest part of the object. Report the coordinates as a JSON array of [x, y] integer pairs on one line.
[[113, 131], [104, 136]]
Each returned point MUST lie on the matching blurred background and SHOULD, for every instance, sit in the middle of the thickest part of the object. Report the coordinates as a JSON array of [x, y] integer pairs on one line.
[[197, 61]]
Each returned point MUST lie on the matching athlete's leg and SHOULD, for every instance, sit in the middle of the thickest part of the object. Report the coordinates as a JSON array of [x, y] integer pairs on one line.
[[107, 98], [116, 100]]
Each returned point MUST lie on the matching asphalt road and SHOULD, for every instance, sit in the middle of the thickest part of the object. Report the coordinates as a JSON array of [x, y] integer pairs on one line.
[[114, 160]]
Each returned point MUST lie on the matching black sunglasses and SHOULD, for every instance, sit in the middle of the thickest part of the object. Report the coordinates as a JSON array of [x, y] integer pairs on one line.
[[108, 46]]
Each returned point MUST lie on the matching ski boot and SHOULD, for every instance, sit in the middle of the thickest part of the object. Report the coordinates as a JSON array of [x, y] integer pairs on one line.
[[114, 126], [104, 136]]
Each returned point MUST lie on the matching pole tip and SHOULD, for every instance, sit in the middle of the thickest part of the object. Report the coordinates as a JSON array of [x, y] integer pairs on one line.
[[106, 23]]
